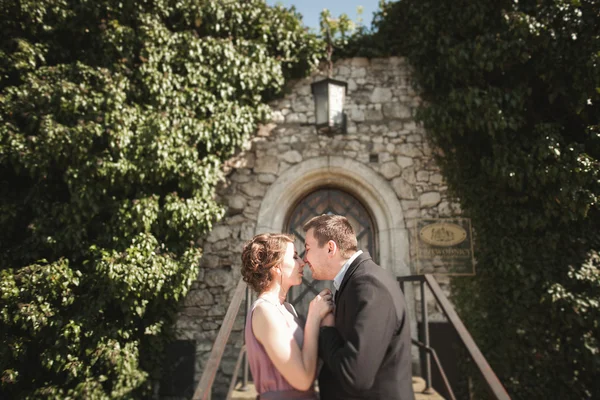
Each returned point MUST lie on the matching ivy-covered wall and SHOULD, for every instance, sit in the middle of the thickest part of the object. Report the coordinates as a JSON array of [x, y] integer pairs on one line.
[[511, 95], [115, 117]]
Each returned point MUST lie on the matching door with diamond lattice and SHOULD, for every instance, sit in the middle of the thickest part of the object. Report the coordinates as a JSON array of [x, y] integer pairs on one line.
[[327, 201]]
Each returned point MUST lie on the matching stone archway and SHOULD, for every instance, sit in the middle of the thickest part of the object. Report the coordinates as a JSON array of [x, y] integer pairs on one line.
[[357, 179]]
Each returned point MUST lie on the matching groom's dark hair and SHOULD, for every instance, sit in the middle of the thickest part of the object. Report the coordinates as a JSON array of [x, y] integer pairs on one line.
[[333, 227]]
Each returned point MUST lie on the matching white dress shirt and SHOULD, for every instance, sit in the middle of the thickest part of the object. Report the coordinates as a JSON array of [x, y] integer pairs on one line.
[[337, 281]]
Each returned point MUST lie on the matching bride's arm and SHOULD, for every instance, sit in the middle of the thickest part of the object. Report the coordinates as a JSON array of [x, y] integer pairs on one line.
[[298, 366]]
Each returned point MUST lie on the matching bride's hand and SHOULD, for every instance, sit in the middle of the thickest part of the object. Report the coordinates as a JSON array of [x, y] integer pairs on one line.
[[322, 304], [328, 320]]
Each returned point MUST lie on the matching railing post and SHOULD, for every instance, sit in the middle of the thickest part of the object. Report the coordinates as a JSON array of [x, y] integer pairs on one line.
[[236, 373], [498, 391], [248, 305], [203, 389], [425, 328], [490, 377]]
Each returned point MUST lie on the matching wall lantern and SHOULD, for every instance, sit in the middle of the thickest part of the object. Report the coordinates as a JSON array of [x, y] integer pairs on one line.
[[329, 95]]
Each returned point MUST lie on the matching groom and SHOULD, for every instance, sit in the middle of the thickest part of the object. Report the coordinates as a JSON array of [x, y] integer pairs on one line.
[[367, 349]]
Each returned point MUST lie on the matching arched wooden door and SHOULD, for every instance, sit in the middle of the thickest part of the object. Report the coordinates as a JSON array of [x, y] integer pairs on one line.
[[327, 201]]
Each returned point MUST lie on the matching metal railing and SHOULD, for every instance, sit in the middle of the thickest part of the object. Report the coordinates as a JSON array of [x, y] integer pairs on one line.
[[203, 390], [492, 381], [432, 352]]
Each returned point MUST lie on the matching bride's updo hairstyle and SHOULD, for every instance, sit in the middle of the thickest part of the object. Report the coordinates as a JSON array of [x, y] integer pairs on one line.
[[259, 255]]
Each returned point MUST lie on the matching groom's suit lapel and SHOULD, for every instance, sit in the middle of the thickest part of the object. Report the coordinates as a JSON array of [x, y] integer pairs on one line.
[[351, 270]]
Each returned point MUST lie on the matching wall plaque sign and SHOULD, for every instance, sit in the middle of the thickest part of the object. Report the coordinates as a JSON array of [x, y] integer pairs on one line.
[[444, 246]]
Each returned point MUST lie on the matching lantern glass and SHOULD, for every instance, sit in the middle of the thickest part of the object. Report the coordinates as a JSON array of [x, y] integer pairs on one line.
[[329, 96], [337, 94], [321, 104]]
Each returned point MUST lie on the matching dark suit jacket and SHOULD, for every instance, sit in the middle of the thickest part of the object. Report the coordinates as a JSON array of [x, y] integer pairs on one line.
[[367, 355]]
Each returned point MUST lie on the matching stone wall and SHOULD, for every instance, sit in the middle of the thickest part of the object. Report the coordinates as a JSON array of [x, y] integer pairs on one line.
[[381, 135]]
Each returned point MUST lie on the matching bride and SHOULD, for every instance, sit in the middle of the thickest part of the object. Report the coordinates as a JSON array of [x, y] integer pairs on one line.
[[281, 348]]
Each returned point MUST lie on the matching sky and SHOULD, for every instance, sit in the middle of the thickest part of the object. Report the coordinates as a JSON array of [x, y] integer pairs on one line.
[[310, 9]]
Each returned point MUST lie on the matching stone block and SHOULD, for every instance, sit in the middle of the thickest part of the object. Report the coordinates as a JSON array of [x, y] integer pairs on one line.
[[267, 178], [239, 178], [444, 209], [408, 174], [204, 346], [390, 170], [397, 61], [410, 204], [221, 245], [395, 125], [413, 213], [378, 148], [235, 220], [217, 311], [427, 151], [436, 179], [396, 111], [227, 366], [422, 176], [353, 146], [219, 232], [342, 71], [266, 165], [352, 86], [250, 214], [385, 157], [283, 166], [373, 115], [209, 261], [381, 95], [196, 298], [303, 89], [296, 118], [255, 203], [410, 126], [291, 157], [218, 277], [356, 115], [302, 105], [409, 150], [359, 62], [404, 161], [429, 199], [403, 189], [253, 189], [239, 323], [247, 231], [359, 73], [209, 326], [414, 138]]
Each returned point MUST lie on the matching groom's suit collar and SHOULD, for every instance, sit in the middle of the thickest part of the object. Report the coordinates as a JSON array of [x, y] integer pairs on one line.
[[339, 278], [351, 269]]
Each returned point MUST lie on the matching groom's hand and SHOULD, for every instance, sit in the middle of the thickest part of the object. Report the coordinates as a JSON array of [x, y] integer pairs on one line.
[[328, 320]]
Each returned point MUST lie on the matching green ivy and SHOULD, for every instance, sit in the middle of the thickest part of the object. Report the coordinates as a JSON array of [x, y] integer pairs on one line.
[[511, 97], [115, 118]]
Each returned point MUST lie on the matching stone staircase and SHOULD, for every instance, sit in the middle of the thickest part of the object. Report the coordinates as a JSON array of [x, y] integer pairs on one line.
[[418, 387]]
